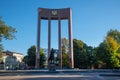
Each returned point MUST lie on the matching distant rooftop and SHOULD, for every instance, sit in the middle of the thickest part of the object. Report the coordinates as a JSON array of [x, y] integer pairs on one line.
[[12, 52]]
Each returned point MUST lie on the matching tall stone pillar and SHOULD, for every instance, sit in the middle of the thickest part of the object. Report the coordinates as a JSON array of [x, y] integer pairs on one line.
[[70, 40], [59, 43], [38, 43], [49, 37]]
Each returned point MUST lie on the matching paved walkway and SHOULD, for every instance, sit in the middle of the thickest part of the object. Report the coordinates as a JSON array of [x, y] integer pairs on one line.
[[60, 75]]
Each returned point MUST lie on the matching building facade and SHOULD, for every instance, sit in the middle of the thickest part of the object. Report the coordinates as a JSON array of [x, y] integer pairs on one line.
[[12, 60]]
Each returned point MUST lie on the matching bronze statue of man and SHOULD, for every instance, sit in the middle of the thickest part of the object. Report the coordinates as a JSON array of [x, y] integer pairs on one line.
[[51, 58]]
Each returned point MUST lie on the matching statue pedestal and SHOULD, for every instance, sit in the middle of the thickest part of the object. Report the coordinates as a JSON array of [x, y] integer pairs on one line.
[[52, 67]]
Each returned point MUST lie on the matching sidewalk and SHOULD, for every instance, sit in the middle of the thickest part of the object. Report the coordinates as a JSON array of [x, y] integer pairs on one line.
[[64, 74]]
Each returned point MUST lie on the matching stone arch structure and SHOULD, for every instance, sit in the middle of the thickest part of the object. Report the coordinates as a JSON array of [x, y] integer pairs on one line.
[[55, 14]]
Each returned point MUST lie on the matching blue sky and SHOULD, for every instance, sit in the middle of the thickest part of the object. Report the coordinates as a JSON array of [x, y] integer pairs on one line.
[[91, 19]]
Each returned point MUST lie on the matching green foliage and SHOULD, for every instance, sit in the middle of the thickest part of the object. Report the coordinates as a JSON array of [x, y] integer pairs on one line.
[[64, 45], [42, 58], [31, 56], [114, 34], [6, 32], [65, 55], [82, 55], [1, 55], [107, 51], [65, 60], [1, 48]]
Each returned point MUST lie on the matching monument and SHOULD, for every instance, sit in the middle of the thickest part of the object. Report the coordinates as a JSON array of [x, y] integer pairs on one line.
[[55, 14], [51, 57], [51, 64]]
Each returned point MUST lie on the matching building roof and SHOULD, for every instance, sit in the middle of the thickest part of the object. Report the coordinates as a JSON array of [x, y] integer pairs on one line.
[[11, 53]]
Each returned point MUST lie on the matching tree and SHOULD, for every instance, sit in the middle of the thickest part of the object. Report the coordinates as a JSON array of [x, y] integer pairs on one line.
[[31, 56], [65, 45], [114, 34], [1, 60], [80, 54], [65, 60], [42, 58], [97, 61], [1, 48], [90, 53], [84, 56], [112, 47], [6, 32], [107, 52], [65, 55], [29, 59]]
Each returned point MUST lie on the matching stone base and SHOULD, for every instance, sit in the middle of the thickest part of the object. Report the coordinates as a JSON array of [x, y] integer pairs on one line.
[[52, 67]]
